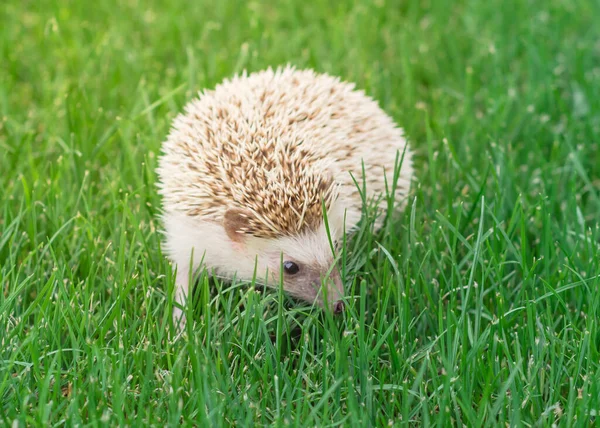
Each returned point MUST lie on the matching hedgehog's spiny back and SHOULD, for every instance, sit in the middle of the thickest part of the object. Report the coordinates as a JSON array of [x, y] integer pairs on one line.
[[234, 149], [274, 143]]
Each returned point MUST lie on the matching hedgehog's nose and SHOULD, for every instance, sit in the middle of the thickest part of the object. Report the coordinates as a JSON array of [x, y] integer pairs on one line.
[[338, 307]]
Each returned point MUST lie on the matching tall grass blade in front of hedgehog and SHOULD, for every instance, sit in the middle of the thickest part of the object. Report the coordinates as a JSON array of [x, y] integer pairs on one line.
[[332, 246], [327, 228], [182, 312], [343, 271], [390, 193], [363, 237], [253, 283], [369, 205], [280, 298], [369, 211]]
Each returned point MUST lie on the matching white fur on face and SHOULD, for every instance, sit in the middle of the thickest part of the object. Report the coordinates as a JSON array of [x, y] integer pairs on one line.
[[260, 258]]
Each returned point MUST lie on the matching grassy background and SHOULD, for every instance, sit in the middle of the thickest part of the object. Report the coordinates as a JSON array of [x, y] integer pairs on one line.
[[480, 306]]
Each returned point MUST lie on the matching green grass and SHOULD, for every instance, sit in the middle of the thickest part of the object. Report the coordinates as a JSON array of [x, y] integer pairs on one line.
[[479, 306]]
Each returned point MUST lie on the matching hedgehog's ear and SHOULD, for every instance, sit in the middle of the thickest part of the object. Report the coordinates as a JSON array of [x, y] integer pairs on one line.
[[236, 222]]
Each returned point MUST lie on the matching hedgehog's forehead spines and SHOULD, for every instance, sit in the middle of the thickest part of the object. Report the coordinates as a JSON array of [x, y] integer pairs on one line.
[[285, 190]]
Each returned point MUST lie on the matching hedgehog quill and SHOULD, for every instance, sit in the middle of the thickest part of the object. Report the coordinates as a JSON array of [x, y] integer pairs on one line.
[[248, 168]]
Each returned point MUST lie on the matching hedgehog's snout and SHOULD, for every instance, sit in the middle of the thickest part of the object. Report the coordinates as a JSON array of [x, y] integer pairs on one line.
[[315, 285]]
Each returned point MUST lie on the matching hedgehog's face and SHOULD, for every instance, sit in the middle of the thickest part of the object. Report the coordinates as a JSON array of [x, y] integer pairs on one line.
[[306, 265], [305, 262]]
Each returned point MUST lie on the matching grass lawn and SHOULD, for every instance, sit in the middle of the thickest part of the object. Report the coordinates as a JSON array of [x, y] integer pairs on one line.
[[479, 306]]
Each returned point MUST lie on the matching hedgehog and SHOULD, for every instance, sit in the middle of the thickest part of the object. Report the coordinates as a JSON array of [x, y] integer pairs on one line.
[[258, 179]]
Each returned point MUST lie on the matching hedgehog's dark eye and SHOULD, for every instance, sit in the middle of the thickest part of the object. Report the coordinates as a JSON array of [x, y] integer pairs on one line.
[[290, 268]]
